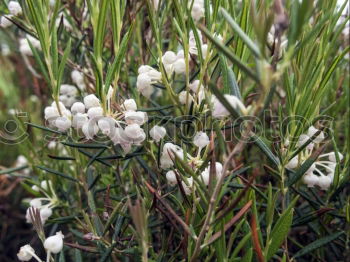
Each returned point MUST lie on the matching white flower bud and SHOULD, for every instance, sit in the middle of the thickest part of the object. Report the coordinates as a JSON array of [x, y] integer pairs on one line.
[[180, 66], [89, 129], [293, 163], [135, 117], [312, 130], [54, 244], [21, 161], [51, 112], [183, 97], [79, 120], [197, 11], [129, 105], [46, 184], [77, 77], [14, 8], [68, 90], [171, 177], [35, 188], [168, 58], [310, 179], [78, 107], [332, 157], [107, 125], [157, 133], [91, 101], [5, 22], [188, 188], [63, 123], [201, 139], [324, 182], [25, 253], [95, 113]]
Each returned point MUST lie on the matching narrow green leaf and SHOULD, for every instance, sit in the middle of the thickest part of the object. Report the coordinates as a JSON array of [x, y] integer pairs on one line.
[[263, 147], [51, 171], [280, 230], [226, 51], [245, 38], [317, 244]]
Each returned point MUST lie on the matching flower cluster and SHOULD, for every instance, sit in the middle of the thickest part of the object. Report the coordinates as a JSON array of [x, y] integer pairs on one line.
[[123, 127], [43, 204], [52, 244], [171, 151], [321, 173]]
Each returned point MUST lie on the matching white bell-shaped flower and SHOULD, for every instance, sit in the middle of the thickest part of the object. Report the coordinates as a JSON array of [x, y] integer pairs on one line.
[[54, 244], [51, 113], [63, 123], [14, 8], [35, 202], [90, 129], [180, 54], [167, 156], [312, 130], [220, 111], [91, 101], [293, 163], [77, 77], [198, 10], [143, 85], [324, 182], [206, 173], [169, 57], [135, 133], [79, 120], [25, 253], [332, 157], [303, 139], [188, 188], [183, 97], [135, 117], [157, 133], [310, 179], [45, 213], [45, 184], [144, 69], [107, 125], [201, 139], [66, 89], [129, 105], [195, 87], [95, 113], [5, 21], [171, 177], [180, 66], [78, 107]]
